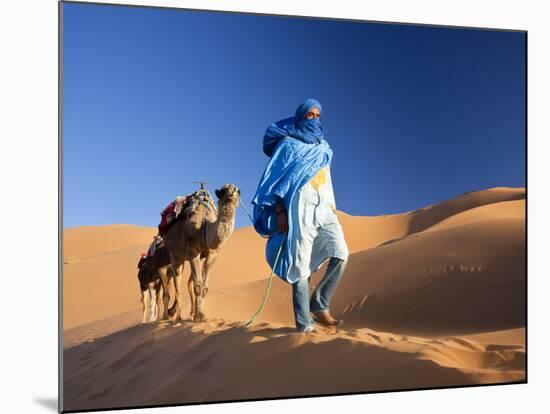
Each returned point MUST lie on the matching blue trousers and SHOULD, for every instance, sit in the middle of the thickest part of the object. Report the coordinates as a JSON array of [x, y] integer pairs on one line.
[[321, 296]]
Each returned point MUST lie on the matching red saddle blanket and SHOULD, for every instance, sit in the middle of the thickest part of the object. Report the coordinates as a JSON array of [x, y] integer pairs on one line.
[[170, 212]]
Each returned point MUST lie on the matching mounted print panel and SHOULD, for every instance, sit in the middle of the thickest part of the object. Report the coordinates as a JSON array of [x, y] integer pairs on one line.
[[260, 206]]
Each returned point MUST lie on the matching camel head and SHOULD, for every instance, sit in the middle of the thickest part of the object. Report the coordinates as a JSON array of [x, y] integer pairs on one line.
[[229, 193]]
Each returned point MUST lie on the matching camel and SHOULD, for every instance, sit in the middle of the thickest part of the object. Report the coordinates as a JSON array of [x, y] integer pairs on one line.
[[150, 292], [150, 283], [198, 239]]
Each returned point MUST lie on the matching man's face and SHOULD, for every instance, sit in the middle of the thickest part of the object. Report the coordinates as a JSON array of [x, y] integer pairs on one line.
[[313, 113]]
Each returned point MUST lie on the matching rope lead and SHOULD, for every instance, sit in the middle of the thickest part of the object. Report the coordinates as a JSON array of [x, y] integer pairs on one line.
[[270, 276], [268, 286]]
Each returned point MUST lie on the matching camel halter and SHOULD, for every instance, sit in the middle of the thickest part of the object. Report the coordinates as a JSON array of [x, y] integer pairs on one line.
[[247, 212]]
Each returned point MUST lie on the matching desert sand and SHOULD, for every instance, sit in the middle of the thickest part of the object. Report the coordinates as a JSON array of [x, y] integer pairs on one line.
[[432, 297]]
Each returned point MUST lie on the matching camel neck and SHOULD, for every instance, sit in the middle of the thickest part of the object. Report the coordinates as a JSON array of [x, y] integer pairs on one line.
[[224, 224]]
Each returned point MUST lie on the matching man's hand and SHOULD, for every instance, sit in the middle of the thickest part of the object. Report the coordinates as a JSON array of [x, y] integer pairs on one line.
[[282, 218]]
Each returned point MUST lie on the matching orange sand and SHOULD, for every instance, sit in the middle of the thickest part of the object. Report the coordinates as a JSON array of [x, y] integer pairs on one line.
[[430, 297]]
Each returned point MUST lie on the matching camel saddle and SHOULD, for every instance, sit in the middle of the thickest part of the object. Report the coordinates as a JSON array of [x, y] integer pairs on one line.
[[182, 207]]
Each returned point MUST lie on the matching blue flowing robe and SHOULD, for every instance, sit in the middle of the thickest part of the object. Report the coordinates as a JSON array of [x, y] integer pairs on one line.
[[292, 164]]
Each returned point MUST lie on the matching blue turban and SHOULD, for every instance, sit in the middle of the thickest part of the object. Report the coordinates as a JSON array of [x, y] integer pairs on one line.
[[309, 131]]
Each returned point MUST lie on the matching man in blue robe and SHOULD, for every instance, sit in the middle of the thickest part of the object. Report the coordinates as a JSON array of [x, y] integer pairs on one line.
[[294, 206]]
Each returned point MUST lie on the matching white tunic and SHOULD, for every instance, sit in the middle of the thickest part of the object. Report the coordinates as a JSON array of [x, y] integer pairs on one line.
[[319, 235]]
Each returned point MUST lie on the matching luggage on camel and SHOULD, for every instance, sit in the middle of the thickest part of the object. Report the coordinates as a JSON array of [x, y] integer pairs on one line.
[[182, 206], [170, 212]]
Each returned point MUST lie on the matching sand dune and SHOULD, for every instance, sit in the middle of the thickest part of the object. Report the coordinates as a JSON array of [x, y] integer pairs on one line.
[[107, 274], [100, 267], [414, 286], [426, 217], [499, 210], [439, 290], [107, 255], [468, 278], [89, 241]]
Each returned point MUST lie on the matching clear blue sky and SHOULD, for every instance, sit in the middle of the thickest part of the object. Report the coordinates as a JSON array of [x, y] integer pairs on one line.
[[154, 99]]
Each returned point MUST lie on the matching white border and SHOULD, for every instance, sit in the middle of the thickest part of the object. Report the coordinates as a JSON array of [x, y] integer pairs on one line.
[[28, 167]]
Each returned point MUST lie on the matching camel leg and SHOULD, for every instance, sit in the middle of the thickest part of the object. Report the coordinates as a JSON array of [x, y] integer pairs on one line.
[[208, 263], [144, 301], [165, 293], [178, 301], [173, 308], [159, 290], [191, 296], [196, 267], [179, 295], [153, 303]]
